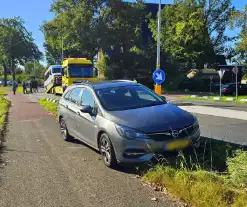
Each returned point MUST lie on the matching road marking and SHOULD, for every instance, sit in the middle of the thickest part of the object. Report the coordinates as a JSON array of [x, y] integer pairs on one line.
[[233, 114]]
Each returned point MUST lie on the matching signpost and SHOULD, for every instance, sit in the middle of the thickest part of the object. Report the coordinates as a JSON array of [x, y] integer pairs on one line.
[[235, 70], [211, 81], [158, 75], [221, 73]]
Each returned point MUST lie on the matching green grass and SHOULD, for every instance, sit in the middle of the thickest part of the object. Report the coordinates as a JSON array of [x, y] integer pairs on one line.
[[49, 106], [3, 91], [199, 188], [19, 89], [214, 176], [210, 98], [4, 106]]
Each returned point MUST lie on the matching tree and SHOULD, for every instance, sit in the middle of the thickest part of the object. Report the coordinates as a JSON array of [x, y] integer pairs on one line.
[[34, 69], [16, 44], [87, 26], [193, 30], [239, 19]]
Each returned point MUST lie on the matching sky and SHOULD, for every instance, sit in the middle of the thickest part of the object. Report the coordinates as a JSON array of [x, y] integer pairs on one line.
[[34, 12]]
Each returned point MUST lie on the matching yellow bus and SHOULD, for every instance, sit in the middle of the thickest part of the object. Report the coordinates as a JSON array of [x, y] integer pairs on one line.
[[75, 70]]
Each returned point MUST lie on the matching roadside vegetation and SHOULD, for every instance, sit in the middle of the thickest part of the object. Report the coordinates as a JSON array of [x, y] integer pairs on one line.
[[211, 98], [2, 91], [215, 176], [49, 106], [4, 107]]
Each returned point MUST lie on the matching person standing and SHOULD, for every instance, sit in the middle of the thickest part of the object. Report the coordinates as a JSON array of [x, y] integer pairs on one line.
[[24, 87], [14, 87], [31, 86]]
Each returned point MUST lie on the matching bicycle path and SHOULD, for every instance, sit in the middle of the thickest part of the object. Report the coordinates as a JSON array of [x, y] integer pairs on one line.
[[43, 170]]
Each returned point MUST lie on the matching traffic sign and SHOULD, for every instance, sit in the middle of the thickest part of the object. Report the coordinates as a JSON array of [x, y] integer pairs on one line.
[[221, 73], [235, 70], [159, 76]]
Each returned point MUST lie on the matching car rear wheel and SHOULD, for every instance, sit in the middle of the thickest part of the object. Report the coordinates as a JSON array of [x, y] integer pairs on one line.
[[66, 136], [107, 151]]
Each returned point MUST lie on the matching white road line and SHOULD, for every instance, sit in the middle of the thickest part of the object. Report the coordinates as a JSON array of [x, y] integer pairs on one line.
[[233, 114]]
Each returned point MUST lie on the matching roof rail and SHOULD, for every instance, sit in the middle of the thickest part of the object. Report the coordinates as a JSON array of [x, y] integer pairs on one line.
[[81, 81]]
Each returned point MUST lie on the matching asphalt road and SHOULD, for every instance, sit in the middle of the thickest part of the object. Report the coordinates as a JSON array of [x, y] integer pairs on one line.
[[215, 127], [42, 170]]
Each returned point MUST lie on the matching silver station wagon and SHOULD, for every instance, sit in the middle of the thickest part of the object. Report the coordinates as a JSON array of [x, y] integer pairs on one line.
[[125, 121]]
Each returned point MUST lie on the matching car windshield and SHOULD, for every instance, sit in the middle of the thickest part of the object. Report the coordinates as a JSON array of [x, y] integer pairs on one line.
[[56, 70], [80, 71], [127, 97]]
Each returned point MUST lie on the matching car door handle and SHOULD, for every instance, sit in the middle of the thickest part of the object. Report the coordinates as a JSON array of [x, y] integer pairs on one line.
[[66, 106], [78, 113]]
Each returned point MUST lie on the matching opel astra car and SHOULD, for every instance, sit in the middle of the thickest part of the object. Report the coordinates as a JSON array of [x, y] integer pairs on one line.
[[125, 121]]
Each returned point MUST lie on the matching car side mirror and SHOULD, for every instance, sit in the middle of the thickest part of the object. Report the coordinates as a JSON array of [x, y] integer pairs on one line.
[[164, 98], [86, 109]]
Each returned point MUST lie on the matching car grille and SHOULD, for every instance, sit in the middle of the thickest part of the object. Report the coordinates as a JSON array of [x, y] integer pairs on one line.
[[167, 135]]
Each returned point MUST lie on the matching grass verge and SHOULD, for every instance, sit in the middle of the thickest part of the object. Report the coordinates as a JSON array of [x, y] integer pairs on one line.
[[212, 177], [4, 107], [212, 97], [49, 106], [3, 91]]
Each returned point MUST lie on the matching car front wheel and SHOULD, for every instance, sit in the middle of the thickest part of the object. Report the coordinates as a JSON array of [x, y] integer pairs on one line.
[[66, 136], [107, 151]]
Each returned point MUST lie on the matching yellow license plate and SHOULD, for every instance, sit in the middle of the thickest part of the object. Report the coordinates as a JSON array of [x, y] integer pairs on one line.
[[178, 144]]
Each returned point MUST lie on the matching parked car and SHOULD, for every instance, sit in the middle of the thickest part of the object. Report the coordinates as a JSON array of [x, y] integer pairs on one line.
[[125, 121], [230, 89]]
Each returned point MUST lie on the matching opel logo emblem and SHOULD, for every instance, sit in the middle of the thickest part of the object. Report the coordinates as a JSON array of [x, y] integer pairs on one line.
[[175, 133]]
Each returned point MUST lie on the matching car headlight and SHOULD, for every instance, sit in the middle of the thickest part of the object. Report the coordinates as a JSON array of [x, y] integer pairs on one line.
[[129, 133]]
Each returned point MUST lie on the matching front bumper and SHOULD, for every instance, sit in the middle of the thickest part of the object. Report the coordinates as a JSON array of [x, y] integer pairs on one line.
[[143, 150]]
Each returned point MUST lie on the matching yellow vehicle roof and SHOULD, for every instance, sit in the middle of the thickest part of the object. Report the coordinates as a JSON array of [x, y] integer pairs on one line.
[[76, 61]]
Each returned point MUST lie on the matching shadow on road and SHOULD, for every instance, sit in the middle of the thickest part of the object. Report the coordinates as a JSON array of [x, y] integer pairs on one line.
[[211, 155]]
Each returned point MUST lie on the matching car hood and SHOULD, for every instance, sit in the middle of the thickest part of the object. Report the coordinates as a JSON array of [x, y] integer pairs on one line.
[[152, 119]]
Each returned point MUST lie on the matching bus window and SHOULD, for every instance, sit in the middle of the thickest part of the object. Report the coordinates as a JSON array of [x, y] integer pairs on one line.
[[80, 71], [56, 70]]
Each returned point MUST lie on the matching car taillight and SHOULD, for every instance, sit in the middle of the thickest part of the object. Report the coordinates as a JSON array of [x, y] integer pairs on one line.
[[225, 89]]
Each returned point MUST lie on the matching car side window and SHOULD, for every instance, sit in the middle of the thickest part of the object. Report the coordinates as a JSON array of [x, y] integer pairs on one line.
[[67, 95], [87, 98], [75, 95]]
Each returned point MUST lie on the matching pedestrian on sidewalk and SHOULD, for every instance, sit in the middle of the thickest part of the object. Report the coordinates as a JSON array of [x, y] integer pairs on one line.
[[14, 87], [24, 87]]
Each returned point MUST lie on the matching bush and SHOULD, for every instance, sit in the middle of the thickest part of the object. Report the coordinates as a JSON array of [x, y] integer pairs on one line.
[[4, 105], [237, 168]]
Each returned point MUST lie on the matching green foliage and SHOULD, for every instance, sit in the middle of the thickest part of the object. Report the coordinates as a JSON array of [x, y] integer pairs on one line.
[[49, 106], [4, 106], [239, 19], [35, 69], [102, 62], [16, 44], [199, 188], [237, 168], [193, 31], [86, 27]]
